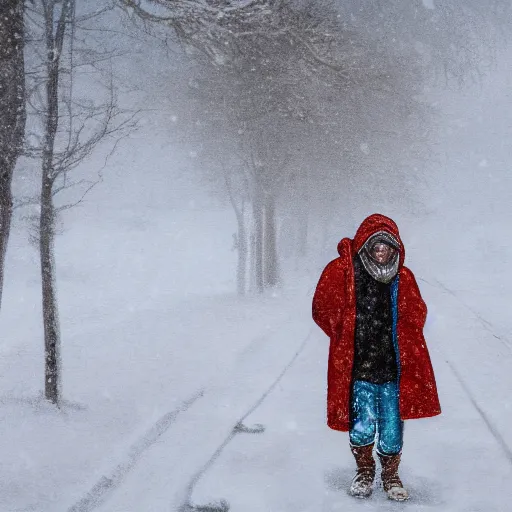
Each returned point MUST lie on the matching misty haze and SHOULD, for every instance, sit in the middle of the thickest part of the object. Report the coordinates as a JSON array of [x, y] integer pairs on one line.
[[175, 176]]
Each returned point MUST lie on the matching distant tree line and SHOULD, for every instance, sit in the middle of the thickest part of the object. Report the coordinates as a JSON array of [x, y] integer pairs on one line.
[[295, 104]]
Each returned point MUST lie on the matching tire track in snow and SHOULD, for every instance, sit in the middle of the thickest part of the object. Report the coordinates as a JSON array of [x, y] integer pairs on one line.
[[497, 436], [107, 484], [489, 328], [187, 505]]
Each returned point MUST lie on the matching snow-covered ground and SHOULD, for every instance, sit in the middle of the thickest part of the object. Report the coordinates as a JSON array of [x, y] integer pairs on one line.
[[161, 360], [453, 462], [138, 338], [157, 384]]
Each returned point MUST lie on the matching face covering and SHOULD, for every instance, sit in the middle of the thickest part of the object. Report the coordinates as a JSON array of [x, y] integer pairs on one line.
[[383, 273]]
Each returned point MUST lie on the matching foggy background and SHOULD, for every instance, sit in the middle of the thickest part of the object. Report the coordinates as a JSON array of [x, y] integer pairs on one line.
[[399, 107]]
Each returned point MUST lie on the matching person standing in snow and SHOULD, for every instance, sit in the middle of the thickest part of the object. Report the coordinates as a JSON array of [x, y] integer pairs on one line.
[[379, 369]]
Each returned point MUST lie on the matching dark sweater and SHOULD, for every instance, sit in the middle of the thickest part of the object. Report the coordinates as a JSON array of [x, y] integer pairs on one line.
[[374, 353]]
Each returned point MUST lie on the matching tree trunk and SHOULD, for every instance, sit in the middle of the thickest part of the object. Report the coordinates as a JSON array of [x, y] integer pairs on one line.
[[302, 229], [271, 275], [241, 270], [5, 219], [50, 308], [241, 237], [12, 112], [258, 242], [303, 236], [54, 45], [46, 243]]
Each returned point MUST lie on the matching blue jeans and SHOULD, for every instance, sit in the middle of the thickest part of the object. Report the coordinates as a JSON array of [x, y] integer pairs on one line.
[[374, 411]]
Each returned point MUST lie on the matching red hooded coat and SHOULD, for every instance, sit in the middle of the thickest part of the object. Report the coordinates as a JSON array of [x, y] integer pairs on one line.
[[334, 310]]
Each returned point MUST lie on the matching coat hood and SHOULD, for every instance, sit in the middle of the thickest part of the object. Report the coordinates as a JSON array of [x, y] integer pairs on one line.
[[369, 227]]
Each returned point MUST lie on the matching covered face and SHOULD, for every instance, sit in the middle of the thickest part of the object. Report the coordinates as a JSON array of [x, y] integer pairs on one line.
[[380, 256], [381, 252]]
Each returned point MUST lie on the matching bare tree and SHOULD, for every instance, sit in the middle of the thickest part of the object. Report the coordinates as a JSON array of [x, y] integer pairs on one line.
[[455, 41], [260, 55], [297, 115], [237, 188], [12, 112], [327, 93], [65, 131]]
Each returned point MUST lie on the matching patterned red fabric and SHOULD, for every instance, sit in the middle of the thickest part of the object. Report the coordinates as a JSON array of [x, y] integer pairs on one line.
[[334, 310]]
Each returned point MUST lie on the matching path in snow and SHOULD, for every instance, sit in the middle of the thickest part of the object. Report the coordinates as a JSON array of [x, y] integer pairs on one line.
[[165, 470], [458, 461], [128, 376], [107, 484]]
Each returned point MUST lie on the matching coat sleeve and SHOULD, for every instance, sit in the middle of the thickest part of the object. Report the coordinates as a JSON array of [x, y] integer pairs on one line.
[[329, 298], [414, 308]]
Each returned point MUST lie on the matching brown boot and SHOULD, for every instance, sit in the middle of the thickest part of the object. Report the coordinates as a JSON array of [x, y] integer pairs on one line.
[[391, 482], [362, 483]]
